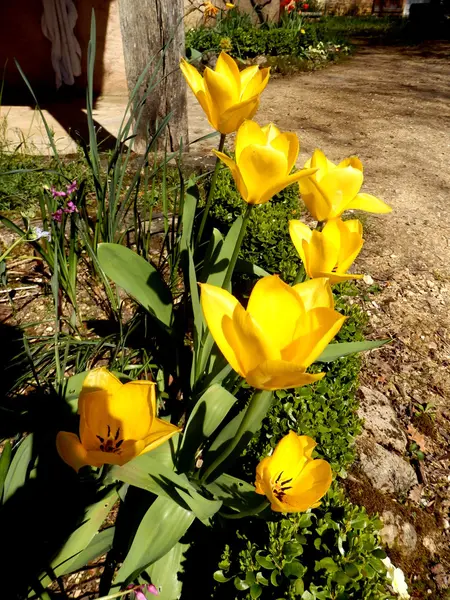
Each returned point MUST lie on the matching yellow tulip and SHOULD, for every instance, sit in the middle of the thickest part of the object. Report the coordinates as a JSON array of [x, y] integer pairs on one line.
[[291, 479], [230, 5], [336, 188], [264, 159], [228, 96], [117, 422], [282, 332], [330, 252]]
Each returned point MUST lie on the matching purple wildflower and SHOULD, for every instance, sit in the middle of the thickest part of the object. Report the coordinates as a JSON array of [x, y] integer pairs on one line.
[[152, 589], [57, 216], [70, 208], [57, 194], [72, 187]]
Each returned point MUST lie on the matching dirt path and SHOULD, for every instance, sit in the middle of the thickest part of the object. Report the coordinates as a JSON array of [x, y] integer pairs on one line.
[[391, 107]]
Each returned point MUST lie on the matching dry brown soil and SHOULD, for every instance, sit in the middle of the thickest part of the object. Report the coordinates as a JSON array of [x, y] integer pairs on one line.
[[391, 107]]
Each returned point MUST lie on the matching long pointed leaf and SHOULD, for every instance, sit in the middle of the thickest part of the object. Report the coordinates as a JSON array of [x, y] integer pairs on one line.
[[335, 351]]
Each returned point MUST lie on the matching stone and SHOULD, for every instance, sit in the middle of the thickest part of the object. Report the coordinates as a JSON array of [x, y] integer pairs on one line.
[[209, 59], [386, 471], [380, 419], [261, 60], [397, 533]]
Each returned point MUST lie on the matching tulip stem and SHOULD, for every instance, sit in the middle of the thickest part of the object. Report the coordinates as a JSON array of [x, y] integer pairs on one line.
[[257, 408], [234, 257], [212, 187]]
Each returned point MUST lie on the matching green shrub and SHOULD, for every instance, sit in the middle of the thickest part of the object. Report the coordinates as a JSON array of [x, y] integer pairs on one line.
[[332, 552], [267, 242]]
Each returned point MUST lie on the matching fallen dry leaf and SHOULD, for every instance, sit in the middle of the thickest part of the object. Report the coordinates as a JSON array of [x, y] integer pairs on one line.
[[417, 437]]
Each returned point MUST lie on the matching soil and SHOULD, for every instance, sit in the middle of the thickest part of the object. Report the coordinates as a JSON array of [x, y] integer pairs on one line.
[[391, 107]]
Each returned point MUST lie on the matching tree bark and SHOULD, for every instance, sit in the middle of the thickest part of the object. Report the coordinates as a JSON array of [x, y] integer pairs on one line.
[[147, 27]]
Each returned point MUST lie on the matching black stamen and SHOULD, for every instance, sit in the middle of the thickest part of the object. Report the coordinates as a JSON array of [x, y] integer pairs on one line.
[[117, 434], [279, 477], [119, 443], [101, 439], [102, 447], [109, 431], [286, 487], [286, 481]]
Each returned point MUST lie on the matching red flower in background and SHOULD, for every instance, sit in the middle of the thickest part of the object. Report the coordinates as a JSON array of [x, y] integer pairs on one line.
[[305, 6]]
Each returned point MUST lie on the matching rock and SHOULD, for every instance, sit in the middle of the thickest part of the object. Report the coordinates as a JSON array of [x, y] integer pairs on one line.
[[260, 60], [209, 59], [430, 545], [441, 577], [397, 533], [380, 419], [387, 471]]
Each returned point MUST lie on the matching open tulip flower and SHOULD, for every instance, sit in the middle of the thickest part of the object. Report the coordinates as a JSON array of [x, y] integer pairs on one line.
[[291, 479], [282, 332], [264, 158], [117, 422], [330, 252], [228, 96], [334, 189]]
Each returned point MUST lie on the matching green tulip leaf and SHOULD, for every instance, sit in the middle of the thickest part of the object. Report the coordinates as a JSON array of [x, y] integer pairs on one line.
[[247, 267], [162, 526], [101, 544], [138, 278], [164, 572], [334, 351], [18, 471], [218, 265], [236, 494], [207, 415], [149, 473], [78, 549], [5, 461]]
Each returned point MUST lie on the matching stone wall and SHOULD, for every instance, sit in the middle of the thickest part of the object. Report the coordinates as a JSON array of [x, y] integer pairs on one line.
[[348, 7]]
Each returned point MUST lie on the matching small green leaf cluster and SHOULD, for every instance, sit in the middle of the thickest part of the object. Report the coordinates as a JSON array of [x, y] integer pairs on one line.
[[267, 242], [248, 41], [332, 552]]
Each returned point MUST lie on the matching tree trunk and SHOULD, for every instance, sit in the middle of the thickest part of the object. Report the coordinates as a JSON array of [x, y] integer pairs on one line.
[[147, 27]]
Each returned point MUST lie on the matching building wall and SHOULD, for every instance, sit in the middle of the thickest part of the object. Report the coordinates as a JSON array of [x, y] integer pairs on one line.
[[21, 38], [270, 11], [348, 7]]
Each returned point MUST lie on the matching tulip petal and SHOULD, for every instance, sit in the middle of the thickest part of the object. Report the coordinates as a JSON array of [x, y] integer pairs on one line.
[[234, 172], [315, 293], [279, 185], [232, 118], [261, 167], [247, 339], [351, 161], [351, 242], [71, 451], [321, 252], [316, 332], [334, 277], [217, 304], [249, 133], [270, 131], [276, 308], [96, 380], [340, 186], [192, 76], [88, 438], [280, 374], [247, 75], [129, 450], [299, 232], [369, 204], [314, 197], [137, 408], [227, 67], [290, 456], [222, 90], [160, 432], [321, 162], [288, 144], [262, 483], [309, 487], [256, 84]]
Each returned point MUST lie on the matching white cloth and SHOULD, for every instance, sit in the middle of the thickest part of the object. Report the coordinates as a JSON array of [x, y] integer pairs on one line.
[[58, 20]]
